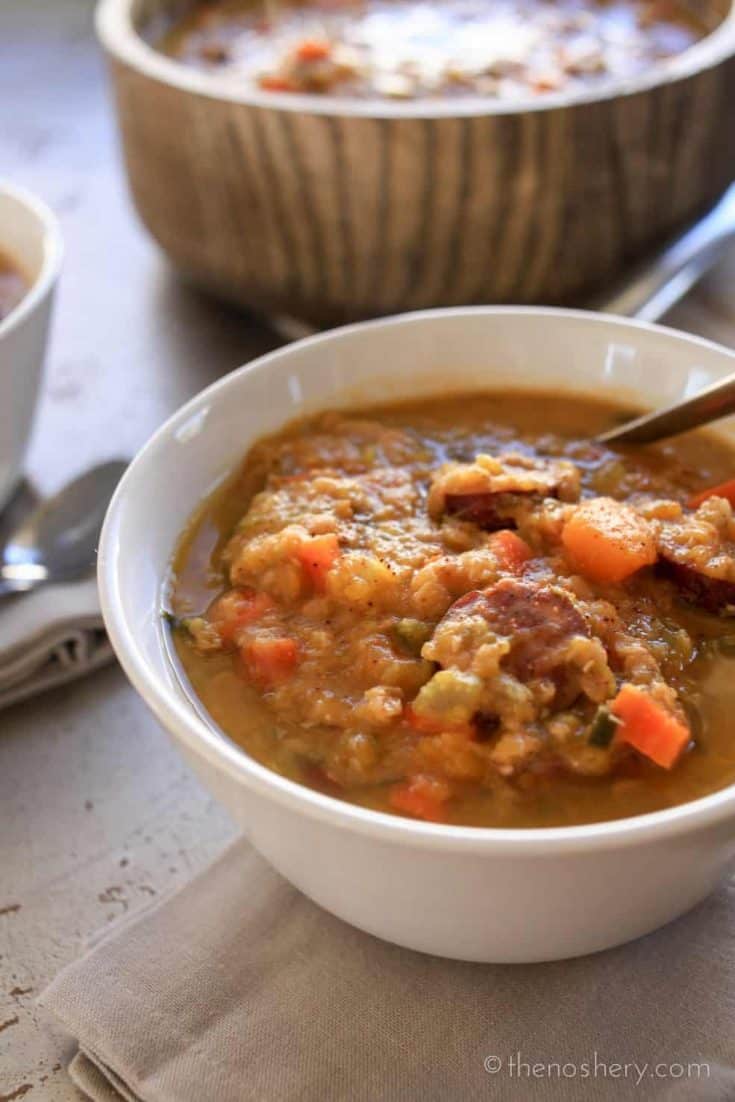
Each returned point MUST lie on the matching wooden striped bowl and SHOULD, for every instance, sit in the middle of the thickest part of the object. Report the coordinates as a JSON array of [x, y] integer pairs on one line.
[[330, 210]]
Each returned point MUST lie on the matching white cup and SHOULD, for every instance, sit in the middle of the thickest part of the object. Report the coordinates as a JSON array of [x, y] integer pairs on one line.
[[31, 239]]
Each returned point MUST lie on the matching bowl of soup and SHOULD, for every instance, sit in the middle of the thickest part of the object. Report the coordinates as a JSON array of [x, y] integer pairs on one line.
[[462, 673], [332, 161], [30, 259]]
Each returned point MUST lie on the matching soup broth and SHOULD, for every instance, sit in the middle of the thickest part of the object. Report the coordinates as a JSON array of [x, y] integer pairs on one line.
[[406, 49], [463, 610], [13, 285]]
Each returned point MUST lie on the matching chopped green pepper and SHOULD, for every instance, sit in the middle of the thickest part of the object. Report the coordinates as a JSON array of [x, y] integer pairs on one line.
[[411, 635], [603, 728], [176, 623]]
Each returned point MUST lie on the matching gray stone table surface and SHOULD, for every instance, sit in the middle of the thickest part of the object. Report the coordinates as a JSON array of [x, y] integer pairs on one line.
[[97, 812]]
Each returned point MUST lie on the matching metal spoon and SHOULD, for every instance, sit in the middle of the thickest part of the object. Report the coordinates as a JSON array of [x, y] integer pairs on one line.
[[658, 283], [708, 405], [57, 542], [649, 293]]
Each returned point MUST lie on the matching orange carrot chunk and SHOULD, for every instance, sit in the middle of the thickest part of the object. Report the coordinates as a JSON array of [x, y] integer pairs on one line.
[[434, 725], [422, 724], [725, 489], [272, 83], [607, 540], [236, 608], [511, 550], [270, 660], [648, 727], [421, 796], [317, 555], [313, 49]]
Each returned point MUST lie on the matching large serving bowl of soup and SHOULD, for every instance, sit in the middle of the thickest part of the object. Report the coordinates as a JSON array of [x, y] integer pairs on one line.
[[339, 161], [463, 674]]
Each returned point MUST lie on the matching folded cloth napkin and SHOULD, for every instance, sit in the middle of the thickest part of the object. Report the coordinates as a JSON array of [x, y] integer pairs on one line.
[[238, 988], [49, 637]]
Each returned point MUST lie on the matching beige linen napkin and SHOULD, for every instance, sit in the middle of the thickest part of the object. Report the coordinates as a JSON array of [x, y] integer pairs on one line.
[[238, 988], [49, 637]]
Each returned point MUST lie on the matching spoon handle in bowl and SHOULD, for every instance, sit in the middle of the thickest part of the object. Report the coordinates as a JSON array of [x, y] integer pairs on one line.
[[661, 282], [707, 405]]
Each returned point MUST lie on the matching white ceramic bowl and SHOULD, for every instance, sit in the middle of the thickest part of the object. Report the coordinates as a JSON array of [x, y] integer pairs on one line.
[[29, 236], [474, 894]]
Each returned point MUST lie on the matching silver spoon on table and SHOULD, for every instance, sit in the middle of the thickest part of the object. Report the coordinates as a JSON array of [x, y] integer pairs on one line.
[[57, 541]]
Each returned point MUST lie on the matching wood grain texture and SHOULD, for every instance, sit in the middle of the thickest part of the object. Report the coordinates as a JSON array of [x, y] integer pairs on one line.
[[332, 218]]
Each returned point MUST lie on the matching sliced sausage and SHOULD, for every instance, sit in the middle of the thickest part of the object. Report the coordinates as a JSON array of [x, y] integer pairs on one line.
[[539, 619], [697, 552], [487, 510], [715, 595], [487, 491]]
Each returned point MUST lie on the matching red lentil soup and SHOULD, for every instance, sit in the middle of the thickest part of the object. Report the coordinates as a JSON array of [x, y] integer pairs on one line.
[[408, 49], [462, 610], [13, 285]]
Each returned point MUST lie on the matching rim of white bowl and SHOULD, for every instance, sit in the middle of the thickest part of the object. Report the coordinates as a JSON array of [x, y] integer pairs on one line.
[[178, 715], [53, 251], [121, 38]]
